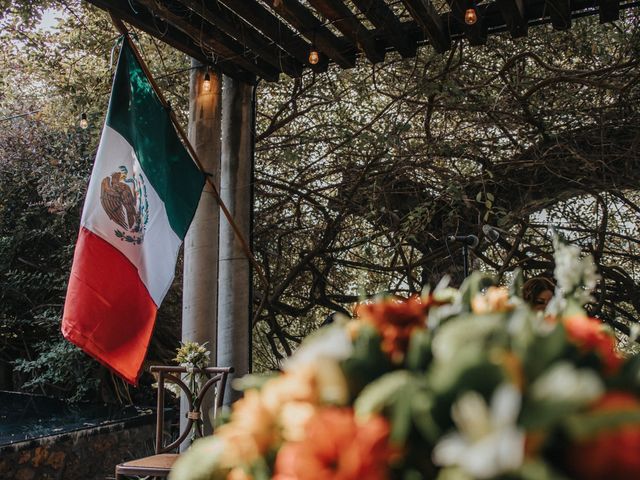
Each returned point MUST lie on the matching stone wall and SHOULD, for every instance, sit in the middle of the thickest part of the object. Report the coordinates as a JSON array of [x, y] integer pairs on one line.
[[85, 454]]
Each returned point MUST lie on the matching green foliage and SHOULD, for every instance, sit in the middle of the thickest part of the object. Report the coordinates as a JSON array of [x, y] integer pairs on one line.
[[62, 366], [43, 174]]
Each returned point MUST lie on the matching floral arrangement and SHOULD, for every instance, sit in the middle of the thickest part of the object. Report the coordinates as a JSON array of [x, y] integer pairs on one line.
[[192, 355], [453, 385]]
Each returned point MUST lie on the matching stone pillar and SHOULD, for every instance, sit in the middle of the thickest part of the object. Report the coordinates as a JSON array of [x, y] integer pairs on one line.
[[200, 293], [234, 304]]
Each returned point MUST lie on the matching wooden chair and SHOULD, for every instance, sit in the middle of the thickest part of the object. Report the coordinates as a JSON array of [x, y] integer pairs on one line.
[[159, 465]]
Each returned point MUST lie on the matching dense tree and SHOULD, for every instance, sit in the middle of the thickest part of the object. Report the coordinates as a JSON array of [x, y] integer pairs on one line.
[[363, 174]]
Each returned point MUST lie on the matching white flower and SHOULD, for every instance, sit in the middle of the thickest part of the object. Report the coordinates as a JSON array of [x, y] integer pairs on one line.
[[331, 343], [565, 383], [576, 277], [488, 441]]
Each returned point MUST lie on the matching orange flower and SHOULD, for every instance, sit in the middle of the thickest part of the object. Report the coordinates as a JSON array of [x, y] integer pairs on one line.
[[494, 300], [251, 419], [395, 319], [337, 448], [615, 453], [590, 335], [238, 474]]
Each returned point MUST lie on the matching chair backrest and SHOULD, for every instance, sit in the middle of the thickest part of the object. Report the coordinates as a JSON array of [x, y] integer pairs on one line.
[[215, 376]]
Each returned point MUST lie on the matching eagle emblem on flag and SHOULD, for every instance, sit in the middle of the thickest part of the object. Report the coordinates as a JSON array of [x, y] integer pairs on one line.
[[124, 200]]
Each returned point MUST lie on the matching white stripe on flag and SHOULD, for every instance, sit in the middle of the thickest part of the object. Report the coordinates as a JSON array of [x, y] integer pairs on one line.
[[155, 257]]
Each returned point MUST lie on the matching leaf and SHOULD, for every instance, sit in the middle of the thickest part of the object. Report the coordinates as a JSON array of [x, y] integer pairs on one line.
[[419, 353], [252, 381], [380, 393], [540, 416], [403, 397], [544, 350], [367, 361], [583, 426], [538, 470], [515, 287], [473, 285]]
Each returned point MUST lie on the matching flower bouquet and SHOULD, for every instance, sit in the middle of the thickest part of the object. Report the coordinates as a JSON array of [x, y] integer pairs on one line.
[[453, 385]]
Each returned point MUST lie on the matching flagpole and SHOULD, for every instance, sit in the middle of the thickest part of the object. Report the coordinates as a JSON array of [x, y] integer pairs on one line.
[[194, 156]]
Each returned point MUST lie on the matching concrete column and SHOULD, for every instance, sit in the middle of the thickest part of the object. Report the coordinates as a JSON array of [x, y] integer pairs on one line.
[[200, 292], [234, 299]]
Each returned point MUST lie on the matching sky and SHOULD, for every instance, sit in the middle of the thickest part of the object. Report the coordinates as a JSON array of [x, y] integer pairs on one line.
[[49, 18]]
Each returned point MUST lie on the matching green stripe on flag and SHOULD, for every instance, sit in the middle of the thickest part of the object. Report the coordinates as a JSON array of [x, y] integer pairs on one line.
[[136, 113]]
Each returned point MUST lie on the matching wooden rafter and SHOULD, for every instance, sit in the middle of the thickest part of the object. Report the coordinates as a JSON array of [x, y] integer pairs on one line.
[[340, 51], [145, 21], [609, 10], [263, 38], [560, 13], [424, 13], [381, 16], [217, 16], [279, 32], [514, 16], [212, 39], [344, 20]]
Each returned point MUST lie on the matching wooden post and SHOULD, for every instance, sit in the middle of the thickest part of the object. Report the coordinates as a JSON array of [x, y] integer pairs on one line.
[[234, 306], [200, 293]]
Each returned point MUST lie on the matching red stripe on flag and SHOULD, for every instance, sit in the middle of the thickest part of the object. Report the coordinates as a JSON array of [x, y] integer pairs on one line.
[[108, 312]]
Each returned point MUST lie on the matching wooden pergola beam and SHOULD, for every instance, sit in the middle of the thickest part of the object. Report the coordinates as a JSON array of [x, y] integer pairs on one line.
[[338, 50], [345, 21], [425, 14], [220, 17], [388, 24], [214, 40], [609, 10], [560, 13], [514, 16], [279, 32], [143, 20], [249, 38]]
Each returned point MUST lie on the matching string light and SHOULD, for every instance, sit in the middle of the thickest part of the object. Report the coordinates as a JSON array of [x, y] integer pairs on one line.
[[84, 122], [206, 84], [470, 16], [314, 56]]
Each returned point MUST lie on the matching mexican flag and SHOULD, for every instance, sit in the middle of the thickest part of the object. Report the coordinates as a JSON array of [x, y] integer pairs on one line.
[[142, 196]]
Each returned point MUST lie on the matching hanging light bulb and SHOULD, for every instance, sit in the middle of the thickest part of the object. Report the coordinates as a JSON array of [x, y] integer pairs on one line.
[[206, 84], [84, 122], [470, 16], [277, 3], [314, 56]]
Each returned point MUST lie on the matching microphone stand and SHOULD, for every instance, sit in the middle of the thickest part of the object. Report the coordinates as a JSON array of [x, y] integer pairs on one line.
[[465, 259]]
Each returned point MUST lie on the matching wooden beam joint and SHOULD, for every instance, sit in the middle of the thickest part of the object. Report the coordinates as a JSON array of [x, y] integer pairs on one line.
[[560, 13]]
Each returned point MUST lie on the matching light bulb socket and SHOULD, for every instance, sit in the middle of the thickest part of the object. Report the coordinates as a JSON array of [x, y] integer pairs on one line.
[[84, 121]]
